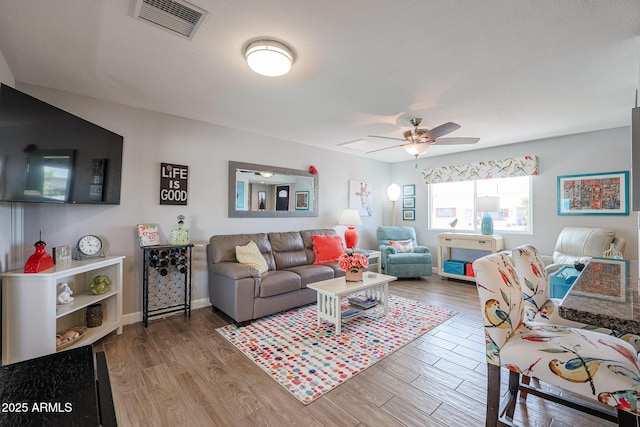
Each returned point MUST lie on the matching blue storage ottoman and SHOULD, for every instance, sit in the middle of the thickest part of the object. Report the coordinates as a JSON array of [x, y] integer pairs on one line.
[[453, 266], [561, 281]]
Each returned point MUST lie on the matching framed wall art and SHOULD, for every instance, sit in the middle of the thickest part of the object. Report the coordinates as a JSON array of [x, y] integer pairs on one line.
[[409, 215], [302, 200], [408, 202], [594, 194], [409, 190], [361, 197]]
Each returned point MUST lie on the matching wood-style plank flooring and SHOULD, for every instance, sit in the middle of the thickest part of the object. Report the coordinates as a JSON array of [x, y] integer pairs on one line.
[[180, 372]]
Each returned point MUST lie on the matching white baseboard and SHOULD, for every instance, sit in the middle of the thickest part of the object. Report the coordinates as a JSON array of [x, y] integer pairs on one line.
[[131, 318]]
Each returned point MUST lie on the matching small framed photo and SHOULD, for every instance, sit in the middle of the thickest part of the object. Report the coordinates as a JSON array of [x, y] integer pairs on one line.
[[302, 200], [148, 234], [409, 190], [408, 202], [409, 215], [62, 255], [594, 194]]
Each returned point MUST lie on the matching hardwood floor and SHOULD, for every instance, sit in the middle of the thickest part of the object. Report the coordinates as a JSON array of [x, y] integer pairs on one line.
[[180, 371]]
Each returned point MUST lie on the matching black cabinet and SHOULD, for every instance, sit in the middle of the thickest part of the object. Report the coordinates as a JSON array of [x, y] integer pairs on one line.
[[67, 388], [166, 280]]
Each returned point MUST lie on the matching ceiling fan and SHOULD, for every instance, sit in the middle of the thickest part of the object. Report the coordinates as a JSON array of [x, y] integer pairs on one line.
[[419, 140]]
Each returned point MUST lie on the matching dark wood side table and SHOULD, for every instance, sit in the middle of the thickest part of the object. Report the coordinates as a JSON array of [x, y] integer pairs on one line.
[[67, 388]]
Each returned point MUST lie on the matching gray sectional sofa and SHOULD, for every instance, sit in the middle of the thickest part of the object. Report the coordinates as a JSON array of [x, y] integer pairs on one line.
[[244, 294]]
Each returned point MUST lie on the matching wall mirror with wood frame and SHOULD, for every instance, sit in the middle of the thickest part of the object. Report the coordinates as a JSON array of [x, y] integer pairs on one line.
[[263, 191]]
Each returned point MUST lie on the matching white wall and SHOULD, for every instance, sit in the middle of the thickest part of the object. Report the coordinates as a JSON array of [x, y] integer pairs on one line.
[[603, 151], [151, 138]]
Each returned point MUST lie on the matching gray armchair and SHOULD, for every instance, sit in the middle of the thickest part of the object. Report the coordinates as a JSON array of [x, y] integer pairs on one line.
[[403, 264]]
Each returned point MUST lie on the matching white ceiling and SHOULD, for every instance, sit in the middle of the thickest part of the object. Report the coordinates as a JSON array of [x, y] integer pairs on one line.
[[505, 70]]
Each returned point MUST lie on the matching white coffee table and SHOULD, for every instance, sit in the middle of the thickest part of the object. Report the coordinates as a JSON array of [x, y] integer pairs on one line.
[[330, 291]]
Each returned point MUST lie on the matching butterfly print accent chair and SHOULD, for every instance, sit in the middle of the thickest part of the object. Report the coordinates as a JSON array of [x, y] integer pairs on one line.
[[600, 368]]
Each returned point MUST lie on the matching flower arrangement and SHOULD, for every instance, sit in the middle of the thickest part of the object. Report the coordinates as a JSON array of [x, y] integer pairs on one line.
[[351, 261], [313, 170]]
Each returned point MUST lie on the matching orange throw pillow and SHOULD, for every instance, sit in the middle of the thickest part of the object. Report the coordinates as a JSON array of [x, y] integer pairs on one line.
[[327, 248]]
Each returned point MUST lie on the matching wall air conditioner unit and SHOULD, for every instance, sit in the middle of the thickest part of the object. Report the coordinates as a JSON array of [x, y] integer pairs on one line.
[[177, 16]]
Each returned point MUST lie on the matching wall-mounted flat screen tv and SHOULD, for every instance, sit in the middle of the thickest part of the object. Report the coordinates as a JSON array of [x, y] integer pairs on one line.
[[49, 155]]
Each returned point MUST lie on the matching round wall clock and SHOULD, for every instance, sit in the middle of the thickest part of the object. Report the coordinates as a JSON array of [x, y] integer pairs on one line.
[[89, 246]]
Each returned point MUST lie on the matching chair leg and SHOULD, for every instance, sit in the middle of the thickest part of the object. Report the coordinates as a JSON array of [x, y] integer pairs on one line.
[[493, 395], [514, 382], [525, 380], [627, 419]]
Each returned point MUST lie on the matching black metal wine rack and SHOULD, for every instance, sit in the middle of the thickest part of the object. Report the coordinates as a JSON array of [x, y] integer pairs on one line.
[[166, 281]]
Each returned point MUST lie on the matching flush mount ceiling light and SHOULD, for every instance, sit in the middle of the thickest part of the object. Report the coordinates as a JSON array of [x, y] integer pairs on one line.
[[266, 174], [268, 57]]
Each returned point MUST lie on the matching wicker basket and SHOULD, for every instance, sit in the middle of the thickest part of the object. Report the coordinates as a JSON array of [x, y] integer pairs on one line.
[[79, 329]]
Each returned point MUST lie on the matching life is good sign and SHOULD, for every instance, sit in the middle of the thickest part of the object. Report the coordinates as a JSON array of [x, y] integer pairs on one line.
[[173, 184]]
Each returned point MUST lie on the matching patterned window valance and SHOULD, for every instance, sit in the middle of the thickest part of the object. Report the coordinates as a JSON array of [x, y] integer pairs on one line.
[[504, 168]]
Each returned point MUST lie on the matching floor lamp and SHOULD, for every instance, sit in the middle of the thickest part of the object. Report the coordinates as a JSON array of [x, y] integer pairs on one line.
[[393, 192], [350, 218], [486, 205]]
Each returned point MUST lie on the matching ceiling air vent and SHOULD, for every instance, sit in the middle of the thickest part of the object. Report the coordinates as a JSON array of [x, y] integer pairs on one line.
[[176, 16]]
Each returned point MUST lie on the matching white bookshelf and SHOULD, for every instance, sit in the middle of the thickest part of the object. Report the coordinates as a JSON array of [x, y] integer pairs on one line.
[[31, 316]]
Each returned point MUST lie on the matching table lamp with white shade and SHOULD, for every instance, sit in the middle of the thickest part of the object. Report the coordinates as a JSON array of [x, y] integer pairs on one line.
[[486, 205], [393, 192], [350, 218]]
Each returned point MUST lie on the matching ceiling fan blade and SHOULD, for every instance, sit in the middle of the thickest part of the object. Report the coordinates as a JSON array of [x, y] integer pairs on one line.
[[455, 141], [442, 130], [385, 148], [385, 137]]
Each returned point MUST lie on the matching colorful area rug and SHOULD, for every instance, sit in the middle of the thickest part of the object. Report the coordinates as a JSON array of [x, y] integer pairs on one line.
[[309, 360]]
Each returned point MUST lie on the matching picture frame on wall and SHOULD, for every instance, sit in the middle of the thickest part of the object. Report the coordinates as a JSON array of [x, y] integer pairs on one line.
[[409, 215], [408, 202], [361, 197], [594, 194], [409, 190], [302, 200], [240, 198]]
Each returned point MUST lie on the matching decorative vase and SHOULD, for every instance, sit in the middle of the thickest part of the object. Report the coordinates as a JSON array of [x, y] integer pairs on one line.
[[354, 275], [94, 315], [486, 227]]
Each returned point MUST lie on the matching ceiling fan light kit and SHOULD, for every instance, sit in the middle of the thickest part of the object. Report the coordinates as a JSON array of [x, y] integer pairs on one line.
[[416, 148], [417, 141], [269, 57]]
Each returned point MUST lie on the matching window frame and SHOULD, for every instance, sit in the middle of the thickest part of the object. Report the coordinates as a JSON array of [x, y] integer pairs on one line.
[[476, 228]]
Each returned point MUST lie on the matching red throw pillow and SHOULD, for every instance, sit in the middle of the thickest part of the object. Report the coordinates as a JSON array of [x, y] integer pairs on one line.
[[327, 248]]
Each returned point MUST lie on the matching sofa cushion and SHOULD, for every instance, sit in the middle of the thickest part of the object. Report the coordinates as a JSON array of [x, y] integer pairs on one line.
[[250, 255], [409, 258], [402, 246], [278, 282], [327, 248], [312, 273], [307, 239], [222, 248], [288, 249]]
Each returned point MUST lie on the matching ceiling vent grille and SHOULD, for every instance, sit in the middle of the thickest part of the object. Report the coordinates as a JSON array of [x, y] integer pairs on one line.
[[177, 16]]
